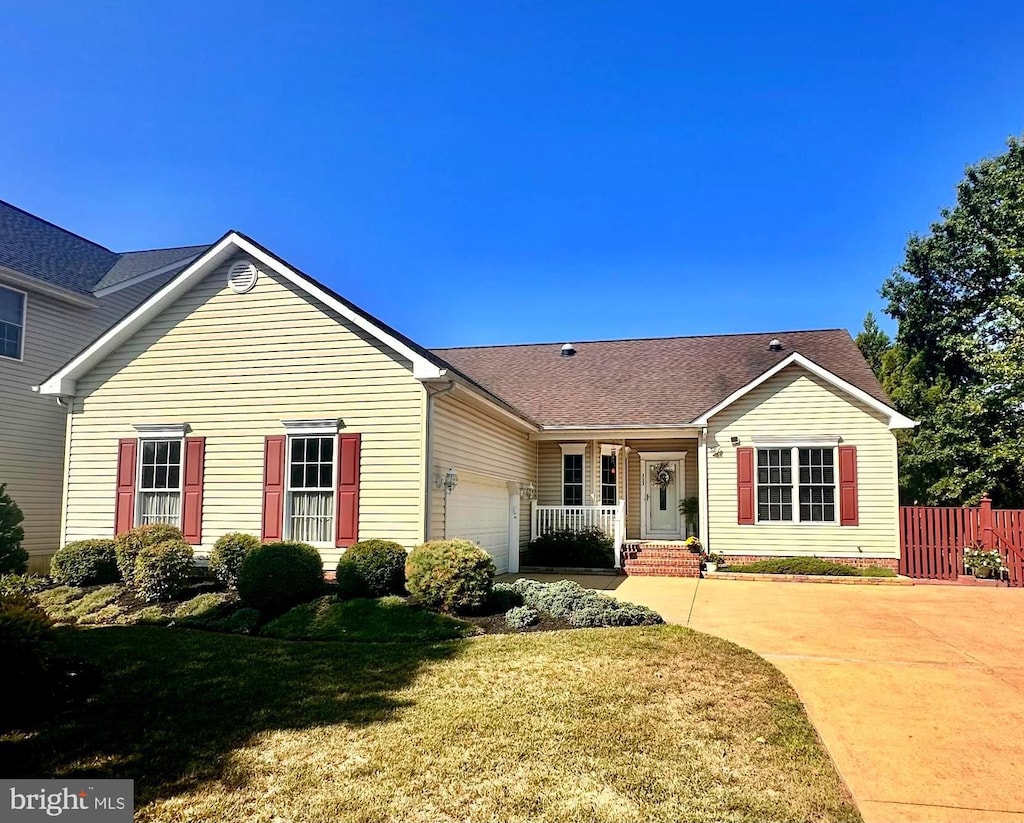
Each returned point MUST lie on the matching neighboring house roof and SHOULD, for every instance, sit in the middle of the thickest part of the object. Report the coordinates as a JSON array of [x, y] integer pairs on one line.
[[649, 382], [39, 250]]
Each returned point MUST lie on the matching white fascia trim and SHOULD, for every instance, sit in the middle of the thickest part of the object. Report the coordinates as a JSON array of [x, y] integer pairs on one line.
[[161, 431], [603, 432], [64, 382], [21, 282], [326, 425], [142, 278], [896, 420]]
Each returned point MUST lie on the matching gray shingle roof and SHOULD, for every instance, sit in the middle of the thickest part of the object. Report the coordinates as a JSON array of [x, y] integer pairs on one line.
[[669, 380], [38, 249]]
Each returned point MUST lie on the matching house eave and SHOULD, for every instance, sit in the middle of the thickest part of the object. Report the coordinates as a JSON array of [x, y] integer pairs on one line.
[[617, 432], [31, 284]]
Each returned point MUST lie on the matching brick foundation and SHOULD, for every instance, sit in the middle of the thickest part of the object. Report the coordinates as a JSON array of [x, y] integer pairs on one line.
[[652, 559], [857, 562]]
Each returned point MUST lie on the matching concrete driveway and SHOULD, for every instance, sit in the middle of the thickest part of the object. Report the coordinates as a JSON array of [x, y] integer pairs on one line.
[[917, 691]]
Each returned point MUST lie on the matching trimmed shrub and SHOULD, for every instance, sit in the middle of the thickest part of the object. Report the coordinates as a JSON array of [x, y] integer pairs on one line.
[[203, 607], [25, 677], [163, 570], [348, 582], [21, 584], [590, 548], [228, 553], [796, 565], [274, 577], [13, 558], [450, 575], [127, 545], [85, 563], [378, 564], [521, 617]]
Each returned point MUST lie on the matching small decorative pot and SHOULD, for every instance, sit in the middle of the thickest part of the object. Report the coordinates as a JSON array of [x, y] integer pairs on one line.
[[711, 567], [984, 572]]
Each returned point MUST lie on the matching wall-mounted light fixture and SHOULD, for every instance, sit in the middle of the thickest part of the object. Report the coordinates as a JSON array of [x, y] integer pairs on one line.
[[447, 481], [528, 491], [734, 440], [716, 451]]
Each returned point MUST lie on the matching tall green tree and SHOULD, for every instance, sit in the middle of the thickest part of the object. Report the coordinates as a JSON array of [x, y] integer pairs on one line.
[[873, 343], [958, 360], [13, 558]]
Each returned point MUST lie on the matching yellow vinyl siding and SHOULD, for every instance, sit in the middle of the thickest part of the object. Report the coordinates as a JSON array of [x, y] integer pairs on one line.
[[233, 367], [32, 445], [549, 487], [795, 403], [634, 495], [474, 442]]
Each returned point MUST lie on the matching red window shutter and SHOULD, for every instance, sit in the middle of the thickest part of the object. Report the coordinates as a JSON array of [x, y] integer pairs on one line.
[[347, 515], [124, 505], [849, 514], [273, 487], [745, 485], [192, 490]]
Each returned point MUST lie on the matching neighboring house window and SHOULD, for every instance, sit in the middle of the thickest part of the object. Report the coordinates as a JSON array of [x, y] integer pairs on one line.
[[572, 473], [609, 485], [160, 482], [311, 489], [813, 485], [12, 323]]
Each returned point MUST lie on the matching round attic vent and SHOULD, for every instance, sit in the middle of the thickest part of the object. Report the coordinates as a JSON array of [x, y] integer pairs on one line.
[[242, 276]]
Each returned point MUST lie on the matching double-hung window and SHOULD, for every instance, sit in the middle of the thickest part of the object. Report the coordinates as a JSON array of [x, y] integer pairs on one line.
[[12, 323], [609, 484], [160, 482], [311, 467], [804, 495], [572, 473]]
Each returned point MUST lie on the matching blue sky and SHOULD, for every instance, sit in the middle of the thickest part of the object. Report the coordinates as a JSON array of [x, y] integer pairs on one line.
[[483, 172]]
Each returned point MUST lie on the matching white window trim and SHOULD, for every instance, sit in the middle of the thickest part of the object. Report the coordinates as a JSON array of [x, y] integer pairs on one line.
[[312, 427], [139, 491], [794, 446], [24, 324], [287, 530], [161, 431], [581, 450]]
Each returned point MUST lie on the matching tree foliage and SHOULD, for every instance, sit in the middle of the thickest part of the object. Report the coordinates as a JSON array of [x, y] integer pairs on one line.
[[873, 343], [957, 364], [13, 558]]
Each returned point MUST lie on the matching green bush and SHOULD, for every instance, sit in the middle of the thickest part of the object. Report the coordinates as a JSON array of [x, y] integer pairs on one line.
[[25, 648], [85, 563], [379, 565], [450, 575], [521, 617], [582, 607], [127, 545], [796, 565], [348, 582], [240, 621], [13, 558], [503, 597], [203, 608], [21, 584], [590, 548], [228, 553], [162, 570], [274, 577]]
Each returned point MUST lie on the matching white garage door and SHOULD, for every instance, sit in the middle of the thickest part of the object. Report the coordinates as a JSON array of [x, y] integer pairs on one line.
[[478, 510]]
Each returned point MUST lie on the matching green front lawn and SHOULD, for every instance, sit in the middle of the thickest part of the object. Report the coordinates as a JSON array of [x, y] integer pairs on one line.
[[616, 725]]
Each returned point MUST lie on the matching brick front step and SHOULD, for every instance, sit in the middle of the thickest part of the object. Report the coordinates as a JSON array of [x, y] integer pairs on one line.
[[659, 560]]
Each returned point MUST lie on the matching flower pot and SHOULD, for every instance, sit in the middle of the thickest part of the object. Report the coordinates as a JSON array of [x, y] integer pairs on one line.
[[984, 572], [711, 567]]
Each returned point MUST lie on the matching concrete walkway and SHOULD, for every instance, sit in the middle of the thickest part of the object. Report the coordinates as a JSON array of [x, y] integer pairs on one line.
[[917, 692]]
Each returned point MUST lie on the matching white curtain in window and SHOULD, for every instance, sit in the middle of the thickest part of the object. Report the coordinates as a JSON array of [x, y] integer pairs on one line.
[[312, 516], [160, 507]]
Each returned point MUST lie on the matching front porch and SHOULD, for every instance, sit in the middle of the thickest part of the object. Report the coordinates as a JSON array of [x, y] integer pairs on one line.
[[643, 493]]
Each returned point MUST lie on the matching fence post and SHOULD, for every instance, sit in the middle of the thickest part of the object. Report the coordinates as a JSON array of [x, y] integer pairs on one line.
[[986, 521]]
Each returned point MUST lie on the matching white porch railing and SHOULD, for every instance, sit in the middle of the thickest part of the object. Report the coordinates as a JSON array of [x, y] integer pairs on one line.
[[609, 519]]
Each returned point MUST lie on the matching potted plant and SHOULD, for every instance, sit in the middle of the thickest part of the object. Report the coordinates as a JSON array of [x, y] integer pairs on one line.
[[983, 563], [712, 562], [694, 545], [690, 510]]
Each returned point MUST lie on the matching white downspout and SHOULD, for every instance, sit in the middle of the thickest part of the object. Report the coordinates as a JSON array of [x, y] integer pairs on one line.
[[702, 486]]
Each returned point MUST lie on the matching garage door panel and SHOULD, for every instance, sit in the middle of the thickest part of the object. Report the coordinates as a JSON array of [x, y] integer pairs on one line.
[[479, 511]]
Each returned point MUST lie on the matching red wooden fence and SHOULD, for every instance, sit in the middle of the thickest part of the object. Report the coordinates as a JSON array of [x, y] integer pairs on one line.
[[932, 539]]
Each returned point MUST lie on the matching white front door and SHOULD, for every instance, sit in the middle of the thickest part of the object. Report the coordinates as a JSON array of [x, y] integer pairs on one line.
[[661, 482]]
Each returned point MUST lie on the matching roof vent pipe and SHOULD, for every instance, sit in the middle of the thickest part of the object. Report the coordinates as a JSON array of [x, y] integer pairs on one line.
[[775, 345], [568, 350]]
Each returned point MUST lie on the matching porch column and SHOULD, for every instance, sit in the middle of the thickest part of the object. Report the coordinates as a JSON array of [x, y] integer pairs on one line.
[[702, 487]]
